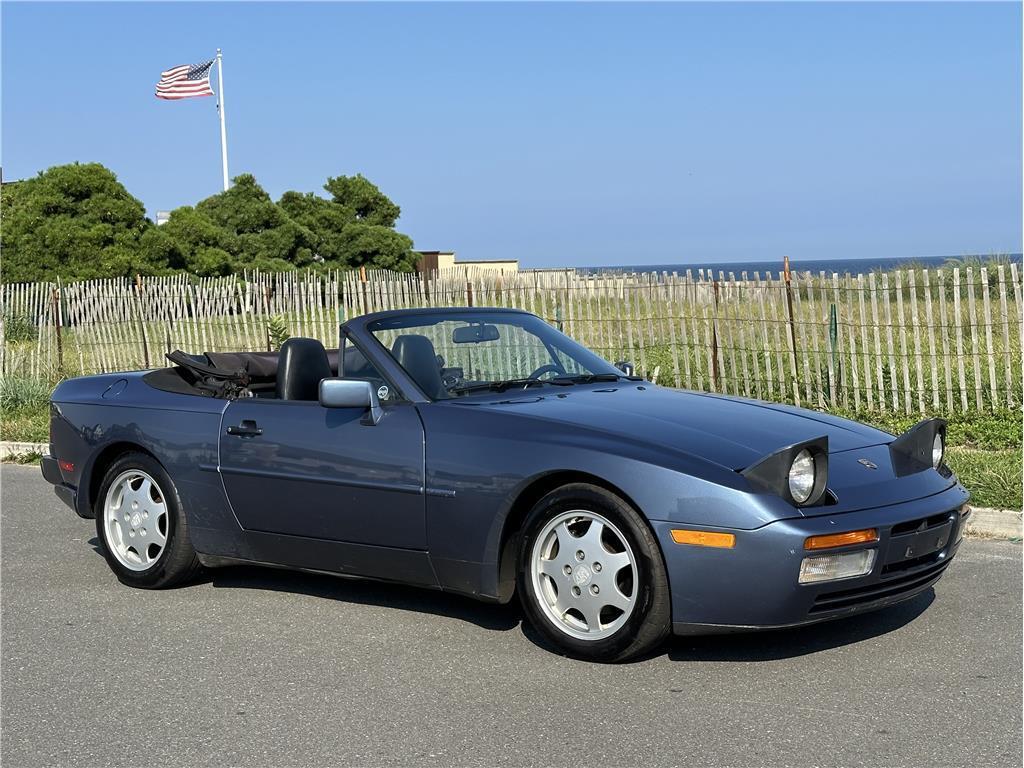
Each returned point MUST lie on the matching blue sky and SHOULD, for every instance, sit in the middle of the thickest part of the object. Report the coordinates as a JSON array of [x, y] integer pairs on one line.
[[559, 134]]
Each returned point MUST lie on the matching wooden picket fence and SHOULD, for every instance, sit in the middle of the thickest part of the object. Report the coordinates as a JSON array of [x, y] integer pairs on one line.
[[912, 341]]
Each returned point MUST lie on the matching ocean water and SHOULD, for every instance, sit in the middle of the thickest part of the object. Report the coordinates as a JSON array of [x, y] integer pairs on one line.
[[841, 266]]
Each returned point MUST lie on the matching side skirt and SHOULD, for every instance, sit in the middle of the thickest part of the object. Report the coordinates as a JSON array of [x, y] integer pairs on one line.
[[337, 558]]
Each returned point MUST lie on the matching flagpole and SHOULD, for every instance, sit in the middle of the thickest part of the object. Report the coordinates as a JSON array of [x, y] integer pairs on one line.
[[220, 108]]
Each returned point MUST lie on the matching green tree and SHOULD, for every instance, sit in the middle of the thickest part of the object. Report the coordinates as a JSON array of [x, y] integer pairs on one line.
[[323, 218], [194, 243], [234, 230], [355, 227], [76, 221], [375, 246], [367, 203], [264, 236]]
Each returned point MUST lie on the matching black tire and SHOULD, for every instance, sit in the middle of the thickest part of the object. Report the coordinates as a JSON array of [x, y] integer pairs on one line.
[[177, 562], [650, 621]]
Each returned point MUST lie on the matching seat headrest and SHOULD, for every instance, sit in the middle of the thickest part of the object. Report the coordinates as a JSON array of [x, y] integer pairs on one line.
[[416, 354], [301, 365]]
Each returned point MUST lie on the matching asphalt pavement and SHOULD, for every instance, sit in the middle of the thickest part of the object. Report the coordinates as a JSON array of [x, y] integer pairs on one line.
[[254, 666]]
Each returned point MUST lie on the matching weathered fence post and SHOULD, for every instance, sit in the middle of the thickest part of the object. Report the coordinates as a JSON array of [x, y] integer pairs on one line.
[[362, 288], [789, 309], [141, 319], [833, 361], [266, 316], [55, 298], [714, 341]]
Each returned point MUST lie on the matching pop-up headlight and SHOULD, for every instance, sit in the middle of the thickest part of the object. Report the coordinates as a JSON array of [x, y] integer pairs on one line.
[[921, 447], [798, 473]]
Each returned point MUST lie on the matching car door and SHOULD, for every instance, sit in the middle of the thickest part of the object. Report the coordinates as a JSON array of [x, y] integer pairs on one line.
[[297, 468]]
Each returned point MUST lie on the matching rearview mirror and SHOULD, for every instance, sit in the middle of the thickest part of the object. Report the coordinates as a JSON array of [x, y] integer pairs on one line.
[[351, 393], [626, 367], [474, 334]]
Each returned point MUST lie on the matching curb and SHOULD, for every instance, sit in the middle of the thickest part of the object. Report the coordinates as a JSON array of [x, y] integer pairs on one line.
[[983, 522], [995, 523]]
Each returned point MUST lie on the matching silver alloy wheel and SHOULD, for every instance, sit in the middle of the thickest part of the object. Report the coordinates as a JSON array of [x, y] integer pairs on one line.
[[584, 575], [135, 519]]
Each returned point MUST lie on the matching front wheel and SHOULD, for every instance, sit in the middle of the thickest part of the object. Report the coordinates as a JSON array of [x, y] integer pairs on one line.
[[140, 522], [591, 576]]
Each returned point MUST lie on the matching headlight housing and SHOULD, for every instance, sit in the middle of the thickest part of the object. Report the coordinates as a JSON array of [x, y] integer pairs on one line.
[[801, 477], [921, 447], [938, 449], [797, 473]]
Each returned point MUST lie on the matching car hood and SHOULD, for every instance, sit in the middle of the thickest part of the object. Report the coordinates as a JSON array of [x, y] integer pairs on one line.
[[732, 432]]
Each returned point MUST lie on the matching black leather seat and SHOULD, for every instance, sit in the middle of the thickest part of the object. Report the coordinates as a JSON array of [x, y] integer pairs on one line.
[[416, 354], [301, 365]]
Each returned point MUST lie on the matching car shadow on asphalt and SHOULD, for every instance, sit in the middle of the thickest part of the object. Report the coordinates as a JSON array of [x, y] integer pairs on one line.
[[768, 645], [366, 592], [776, 644], [359, 591]]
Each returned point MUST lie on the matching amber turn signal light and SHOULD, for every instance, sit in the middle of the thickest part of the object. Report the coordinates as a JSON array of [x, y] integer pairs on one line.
[[704, 538], [841, 539]]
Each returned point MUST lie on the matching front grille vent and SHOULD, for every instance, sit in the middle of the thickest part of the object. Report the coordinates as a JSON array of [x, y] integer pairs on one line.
[[848, 598], [909, 565], [921, 524]]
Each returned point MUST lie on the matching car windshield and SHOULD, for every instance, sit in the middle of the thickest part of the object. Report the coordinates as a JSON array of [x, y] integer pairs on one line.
[[454, 354]]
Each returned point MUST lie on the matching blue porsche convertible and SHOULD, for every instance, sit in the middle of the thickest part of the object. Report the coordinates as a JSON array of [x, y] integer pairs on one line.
[[482, 452]]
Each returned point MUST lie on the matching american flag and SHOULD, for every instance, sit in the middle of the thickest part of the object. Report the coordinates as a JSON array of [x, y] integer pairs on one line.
[[185, 82]]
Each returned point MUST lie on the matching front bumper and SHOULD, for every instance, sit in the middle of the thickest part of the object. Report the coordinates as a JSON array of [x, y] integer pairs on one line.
[[754, 585]]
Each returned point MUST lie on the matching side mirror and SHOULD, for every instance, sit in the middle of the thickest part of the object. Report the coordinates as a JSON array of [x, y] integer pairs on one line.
[[626, 367], [351, 393]]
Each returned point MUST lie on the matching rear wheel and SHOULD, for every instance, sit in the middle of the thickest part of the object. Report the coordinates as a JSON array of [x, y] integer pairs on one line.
[[140, 523], [591, 576]]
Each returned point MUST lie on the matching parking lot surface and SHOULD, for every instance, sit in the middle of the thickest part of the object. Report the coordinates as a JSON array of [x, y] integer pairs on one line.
[[254, 666]]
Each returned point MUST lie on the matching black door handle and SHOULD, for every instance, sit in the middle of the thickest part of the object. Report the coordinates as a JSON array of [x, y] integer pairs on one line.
[[247, 428]]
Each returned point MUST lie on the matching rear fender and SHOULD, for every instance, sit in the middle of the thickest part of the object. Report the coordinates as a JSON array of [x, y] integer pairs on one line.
[[89, 430]]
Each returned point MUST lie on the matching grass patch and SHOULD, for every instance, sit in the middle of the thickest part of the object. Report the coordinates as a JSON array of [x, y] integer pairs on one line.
[[992, 477], [25, 410], [25, 425], [995, 431], [24, 458]]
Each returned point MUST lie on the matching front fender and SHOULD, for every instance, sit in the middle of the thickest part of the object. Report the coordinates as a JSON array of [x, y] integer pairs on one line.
[[478, 464]]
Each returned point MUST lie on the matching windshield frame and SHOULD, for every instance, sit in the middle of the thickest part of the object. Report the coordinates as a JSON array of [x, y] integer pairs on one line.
[[366, 327]]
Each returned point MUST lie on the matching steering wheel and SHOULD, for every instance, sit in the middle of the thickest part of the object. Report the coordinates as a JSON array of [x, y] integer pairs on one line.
[[549, 368]]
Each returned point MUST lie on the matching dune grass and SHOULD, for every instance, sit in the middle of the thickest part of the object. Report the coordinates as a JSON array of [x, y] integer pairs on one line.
[[993, 431], [992, 477], [25, 409]]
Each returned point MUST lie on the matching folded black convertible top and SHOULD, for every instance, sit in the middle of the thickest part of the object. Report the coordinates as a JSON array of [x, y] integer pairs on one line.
[[224, 374], [226, 377]]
